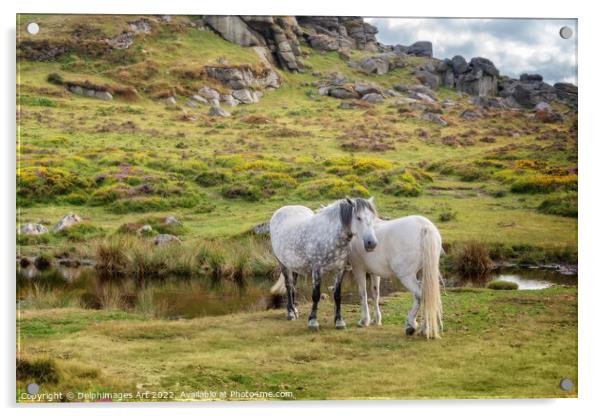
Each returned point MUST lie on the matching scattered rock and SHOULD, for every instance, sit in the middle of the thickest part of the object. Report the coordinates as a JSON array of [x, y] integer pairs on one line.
[[65, 222], [32, 229], [122, 41], [165, 238], [471, 115], [373, 98], [208, 93], [245, 96], [542, 106], [171, 220], [200, 99], [421, 48], [171, 102], [343, 92], [435, 118], [216, 111], [145, 229], [262, 229], [191, 104], [229, 100]]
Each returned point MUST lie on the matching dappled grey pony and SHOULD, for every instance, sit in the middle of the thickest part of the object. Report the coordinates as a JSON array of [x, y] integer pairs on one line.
[[311, 243]]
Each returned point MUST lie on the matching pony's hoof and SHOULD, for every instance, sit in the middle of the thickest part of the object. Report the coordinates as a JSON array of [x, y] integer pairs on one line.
[[377, 323], [410, 331], [313, 324], [363, 323], [340, 324], [291, 316]]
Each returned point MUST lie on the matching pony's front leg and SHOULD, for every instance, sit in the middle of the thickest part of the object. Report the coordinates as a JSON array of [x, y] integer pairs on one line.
[[338, 321], [360, 279], [375, 289], [312, 320]]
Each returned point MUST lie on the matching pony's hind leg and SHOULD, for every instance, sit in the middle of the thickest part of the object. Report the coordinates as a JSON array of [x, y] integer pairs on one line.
[[360, 279], [312, 320], [338, 321], [295, 275], [411, 284], [291, 312], [375, 289]]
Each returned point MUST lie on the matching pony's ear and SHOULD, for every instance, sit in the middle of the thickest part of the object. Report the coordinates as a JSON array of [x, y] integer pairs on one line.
[[371, 200], [350, 201]]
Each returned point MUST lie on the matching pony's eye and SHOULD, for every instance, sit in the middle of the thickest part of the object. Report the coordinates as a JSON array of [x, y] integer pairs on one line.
[[359, 219]]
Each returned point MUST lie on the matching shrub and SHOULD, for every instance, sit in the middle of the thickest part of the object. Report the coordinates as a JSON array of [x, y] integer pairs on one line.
[[55, 79], [502, 285], [564, 205], [214, 177], [447, 215], [41, 370], [44, 183], [111, 259], [471, 261], [36, 101], [404, 185], [81, 232], [242, 190], [270, 182], [330, 188], [271, 165], [544, 183]]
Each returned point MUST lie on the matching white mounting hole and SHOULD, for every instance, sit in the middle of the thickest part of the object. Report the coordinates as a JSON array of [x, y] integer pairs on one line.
[[33, 28]]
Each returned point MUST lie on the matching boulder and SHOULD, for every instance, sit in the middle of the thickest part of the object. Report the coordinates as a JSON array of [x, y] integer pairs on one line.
[[103, 95], [428, 78], [200, 99], [422, 48], [380, 63], [435, 118], [32, 229], [171, 101], [485, 65], [542, 106], [262, 229], [234, 29], [191, 104], [363, 88], [489, 102], [122, 41], [323, 42], [471, 115], [229, 100], [323, 90], [171, 220], [531, 78], [216, 111], [241, 77], [145, 229], [245, 96], [66, 222], [165, 238], [343, 92], [208, 93], [459, 65], [373, 98]]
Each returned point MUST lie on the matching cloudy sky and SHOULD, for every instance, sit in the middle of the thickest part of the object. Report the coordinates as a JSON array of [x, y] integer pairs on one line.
[[514, 45]]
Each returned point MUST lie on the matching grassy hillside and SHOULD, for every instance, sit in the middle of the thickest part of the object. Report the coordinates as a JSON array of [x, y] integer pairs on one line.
[[506, 178]]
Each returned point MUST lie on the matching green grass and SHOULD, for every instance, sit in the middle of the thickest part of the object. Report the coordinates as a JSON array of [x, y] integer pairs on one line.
[[495, 344]]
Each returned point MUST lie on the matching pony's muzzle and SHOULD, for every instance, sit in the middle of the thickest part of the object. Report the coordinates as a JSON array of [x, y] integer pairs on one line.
[[369, 244]]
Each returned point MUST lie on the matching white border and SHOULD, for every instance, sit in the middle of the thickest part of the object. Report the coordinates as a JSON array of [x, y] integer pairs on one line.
[[590, 209]]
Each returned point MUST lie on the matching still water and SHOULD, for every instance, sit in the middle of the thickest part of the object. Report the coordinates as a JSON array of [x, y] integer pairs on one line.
[[182, 299]]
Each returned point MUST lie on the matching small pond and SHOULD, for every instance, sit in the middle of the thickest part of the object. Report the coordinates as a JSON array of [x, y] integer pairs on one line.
[[176, 298]]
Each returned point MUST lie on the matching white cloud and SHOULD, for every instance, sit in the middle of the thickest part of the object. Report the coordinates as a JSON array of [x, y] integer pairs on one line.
[[514, 45]]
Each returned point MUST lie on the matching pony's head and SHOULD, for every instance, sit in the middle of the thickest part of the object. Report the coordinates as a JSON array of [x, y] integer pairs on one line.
[[358, 215]]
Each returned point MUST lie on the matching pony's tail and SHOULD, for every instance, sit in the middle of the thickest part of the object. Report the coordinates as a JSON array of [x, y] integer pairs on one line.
[[279, 287], [431, 296]]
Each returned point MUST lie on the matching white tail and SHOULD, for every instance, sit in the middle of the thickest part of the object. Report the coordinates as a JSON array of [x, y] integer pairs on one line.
[[279, 287], [431, 296]]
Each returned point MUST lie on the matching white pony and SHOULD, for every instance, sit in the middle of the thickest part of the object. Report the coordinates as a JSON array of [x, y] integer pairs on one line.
[[405, 246], [314, 244]]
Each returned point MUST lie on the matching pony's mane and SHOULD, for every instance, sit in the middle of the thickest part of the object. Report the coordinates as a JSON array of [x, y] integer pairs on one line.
[[344, 210]]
